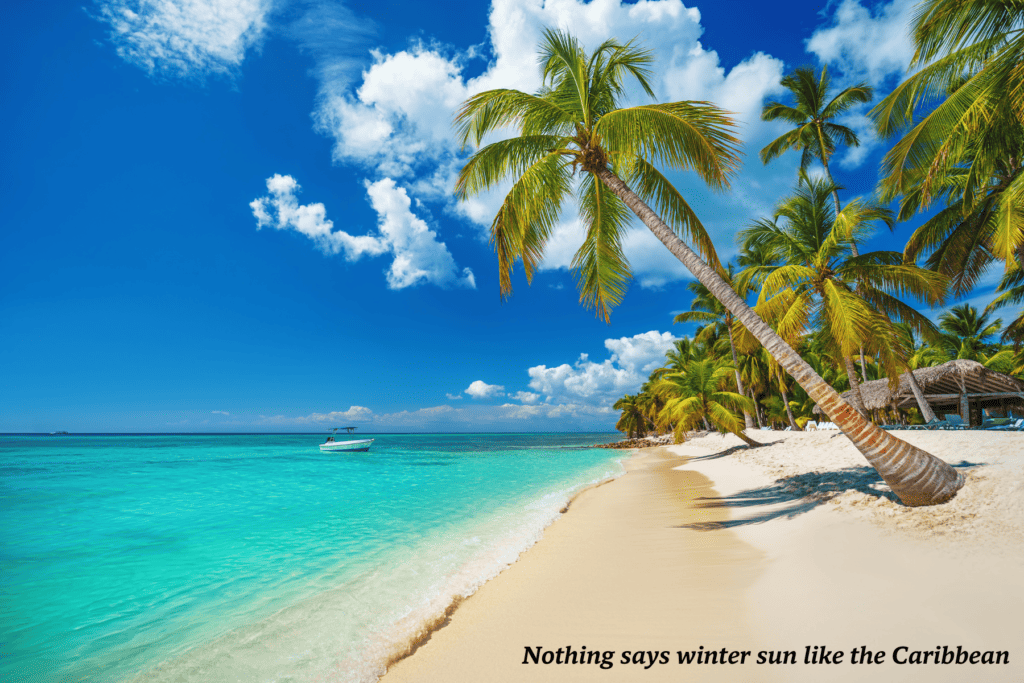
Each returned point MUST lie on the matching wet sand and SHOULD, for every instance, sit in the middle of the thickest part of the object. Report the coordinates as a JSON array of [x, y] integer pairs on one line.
[[620, 571]]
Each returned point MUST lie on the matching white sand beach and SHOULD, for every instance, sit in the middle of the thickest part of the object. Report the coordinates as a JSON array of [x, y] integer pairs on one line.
[[796, 546]]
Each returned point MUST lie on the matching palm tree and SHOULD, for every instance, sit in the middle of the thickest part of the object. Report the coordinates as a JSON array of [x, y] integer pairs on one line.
[[968, 150], [816, 133], [706, 308], [631, 422], [920, 356], [696, 394], [968, 334], [574, 123], [1011, 289], [810, 279]]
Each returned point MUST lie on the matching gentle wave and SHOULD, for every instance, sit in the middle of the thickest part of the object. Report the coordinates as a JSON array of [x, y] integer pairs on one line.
[[250, 558]]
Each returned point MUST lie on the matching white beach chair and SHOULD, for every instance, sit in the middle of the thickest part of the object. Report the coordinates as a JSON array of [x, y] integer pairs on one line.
[[811, 426]]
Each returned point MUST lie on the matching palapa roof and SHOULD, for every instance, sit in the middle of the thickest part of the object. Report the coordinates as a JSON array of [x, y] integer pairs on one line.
[[941, 386]]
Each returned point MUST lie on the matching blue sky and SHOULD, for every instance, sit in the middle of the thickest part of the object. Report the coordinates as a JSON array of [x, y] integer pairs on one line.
[[236, 215]]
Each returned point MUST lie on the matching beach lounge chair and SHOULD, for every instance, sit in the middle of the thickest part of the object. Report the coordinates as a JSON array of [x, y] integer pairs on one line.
[[811, 426], [954, 421], [1015, 426], [931, 424]]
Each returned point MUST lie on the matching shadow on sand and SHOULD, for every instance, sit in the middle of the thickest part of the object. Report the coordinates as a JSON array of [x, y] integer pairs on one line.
[[792, 496]]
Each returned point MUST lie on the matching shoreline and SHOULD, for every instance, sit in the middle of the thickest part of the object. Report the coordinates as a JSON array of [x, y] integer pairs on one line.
[[579, 579], [777, 549]]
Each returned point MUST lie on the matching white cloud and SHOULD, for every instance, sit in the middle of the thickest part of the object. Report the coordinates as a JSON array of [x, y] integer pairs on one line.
[[397, 123], [481, 389], [865, 44], [185, 37], [310, 220], [453, 397], [527, 397], [219, 412], [353, 414], [601, 384], [418, 257]]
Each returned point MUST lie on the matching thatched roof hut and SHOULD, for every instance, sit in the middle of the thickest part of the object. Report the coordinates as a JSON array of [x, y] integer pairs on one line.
[[947, 388]]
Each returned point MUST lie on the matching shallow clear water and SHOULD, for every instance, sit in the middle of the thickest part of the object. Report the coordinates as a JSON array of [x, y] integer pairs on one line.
[[257, 557]]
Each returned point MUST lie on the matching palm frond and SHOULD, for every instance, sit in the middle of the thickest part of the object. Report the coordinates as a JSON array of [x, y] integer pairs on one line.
[[602, 271]]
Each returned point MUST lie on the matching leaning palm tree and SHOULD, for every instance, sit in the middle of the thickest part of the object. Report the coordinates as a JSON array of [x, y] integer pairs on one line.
[[574, 124], [816, 133], [696, 394]]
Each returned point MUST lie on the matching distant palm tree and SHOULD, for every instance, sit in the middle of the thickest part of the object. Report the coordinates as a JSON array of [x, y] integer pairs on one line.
[[574, 123], [968, 334], [696, 394], [1011, 289], [707, 309], [810, 281], [813, 113], [961, 115], [631, 422]]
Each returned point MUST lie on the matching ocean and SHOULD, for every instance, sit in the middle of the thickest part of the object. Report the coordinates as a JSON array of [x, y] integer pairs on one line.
[[257, 557]]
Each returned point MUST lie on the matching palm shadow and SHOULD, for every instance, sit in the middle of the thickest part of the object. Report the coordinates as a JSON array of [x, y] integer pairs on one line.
[[792, 496]]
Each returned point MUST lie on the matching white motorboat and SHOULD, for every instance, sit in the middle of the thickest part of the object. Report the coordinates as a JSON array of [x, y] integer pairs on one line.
[[356, 446]]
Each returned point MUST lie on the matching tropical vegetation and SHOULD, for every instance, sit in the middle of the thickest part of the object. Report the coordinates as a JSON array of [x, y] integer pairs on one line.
[[824, 308]]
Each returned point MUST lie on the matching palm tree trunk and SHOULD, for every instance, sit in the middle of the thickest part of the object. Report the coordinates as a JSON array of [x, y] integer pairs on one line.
[[789, 411], [926, 410], [835, 195], [757, 413], [739, 383], [855, 396], [855, 252], [747, 440], [916, 476]]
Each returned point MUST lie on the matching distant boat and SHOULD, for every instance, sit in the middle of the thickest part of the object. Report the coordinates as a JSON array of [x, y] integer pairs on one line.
[[357, 446]]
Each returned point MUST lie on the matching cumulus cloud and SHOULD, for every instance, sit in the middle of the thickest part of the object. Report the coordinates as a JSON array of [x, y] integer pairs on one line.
[[190, 38], [219, 412], [396, 120], [282, 211], [601, 384], [527, 397], [353, 414], [481, 389], [864, 44], [418, 257], [453, 397]]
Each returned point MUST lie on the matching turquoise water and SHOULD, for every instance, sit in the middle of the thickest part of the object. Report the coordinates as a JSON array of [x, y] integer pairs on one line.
[[257, 557]]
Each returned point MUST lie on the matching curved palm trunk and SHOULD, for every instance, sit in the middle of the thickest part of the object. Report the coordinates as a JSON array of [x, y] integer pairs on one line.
[[747, 440], [855, 396], [926, 410], [747, 420], [916, 476]]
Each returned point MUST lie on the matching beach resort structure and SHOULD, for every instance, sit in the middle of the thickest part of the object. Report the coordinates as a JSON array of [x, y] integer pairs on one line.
[[964, 387]]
